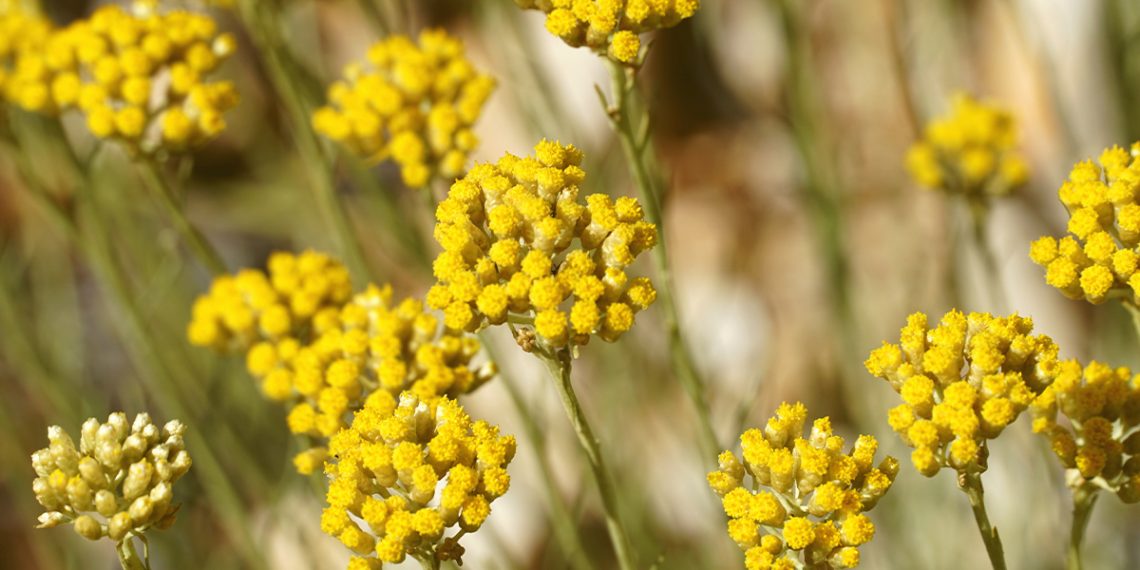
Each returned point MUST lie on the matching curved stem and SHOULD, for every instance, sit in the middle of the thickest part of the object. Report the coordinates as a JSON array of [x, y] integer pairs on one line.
[[558, 365], [629, 124], [971, 484], [1084, 499], [129, 558], [979, 215], [164, 194]]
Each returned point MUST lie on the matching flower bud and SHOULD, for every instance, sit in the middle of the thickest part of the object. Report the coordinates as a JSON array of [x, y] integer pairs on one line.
[[92, 472], [51, 519], [141, 510], [88, 528], [62, 449], [119, 526], [138, 479], [105, 503], [79, 494], [43, 463]]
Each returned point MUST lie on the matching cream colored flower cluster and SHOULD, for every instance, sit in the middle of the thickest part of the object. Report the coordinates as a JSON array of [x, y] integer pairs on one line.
[[119, 481]]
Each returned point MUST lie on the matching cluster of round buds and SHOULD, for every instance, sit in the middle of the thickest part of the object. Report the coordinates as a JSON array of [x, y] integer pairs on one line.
[[516, 241], [300, 296], [20, 31], [970, 151], [376, 347], [1100, 256], [610, 27], [117, 483], [138, 77], [962, 383], [413, 103], [405, 473], [811, 514], [1100, 443]]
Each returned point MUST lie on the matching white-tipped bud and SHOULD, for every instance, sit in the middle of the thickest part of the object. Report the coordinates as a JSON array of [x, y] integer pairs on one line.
[[51, 519], [138, 479], [87, 435], [174, 428], [118, 423], [43, 463], [105, 503], [141, 421], [134, 447], [161, 494], [88, 528], [180, 465], [63, 450]]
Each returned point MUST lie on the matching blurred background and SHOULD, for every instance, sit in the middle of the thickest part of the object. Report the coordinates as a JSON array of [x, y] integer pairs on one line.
[[798, 240]]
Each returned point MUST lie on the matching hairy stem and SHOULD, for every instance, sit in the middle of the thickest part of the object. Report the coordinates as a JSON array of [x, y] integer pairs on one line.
[[971, 484]]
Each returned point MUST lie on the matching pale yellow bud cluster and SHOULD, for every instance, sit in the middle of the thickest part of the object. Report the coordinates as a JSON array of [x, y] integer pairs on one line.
[[407, 473], [610, 27], [811, 514], [518, 245], [119, 481], [138, 77], [971, 151], [413, 103], [1100, 443], [376, 347], [962, 382], [300, 295], [1100, 256]]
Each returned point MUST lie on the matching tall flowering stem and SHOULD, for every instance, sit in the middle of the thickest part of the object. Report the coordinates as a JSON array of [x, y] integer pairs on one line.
[[971, 484], [559, 366], [160, 188], [1084, 499], [630, 122]]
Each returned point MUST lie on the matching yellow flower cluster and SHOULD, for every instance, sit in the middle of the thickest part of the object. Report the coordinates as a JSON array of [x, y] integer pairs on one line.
[[1100, 442], [969, 152], [20, 31], [376, 348], [408, 472], [1100, 256], [117, 483], [516, 241], [611, 27], [301, 296], [962, 383], [414, 103], [137, 77], [813, 508]]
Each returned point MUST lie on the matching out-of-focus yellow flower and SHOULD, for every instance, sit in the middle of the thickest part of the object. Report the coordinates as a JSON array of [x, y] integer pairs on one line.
[[517, 243], [962, 383], [1098, 258], [1099, 443], [971, 151], [20, 33], [139, 77], [119, 482], [300, 296], [610, 27], [413, 103], [376, 347], [406, 473], [811, 514]]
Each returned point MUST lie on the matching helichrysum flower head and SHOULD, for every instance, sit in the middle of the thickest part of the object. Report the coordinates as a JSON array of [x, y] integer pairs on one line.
[[962, 382], [139, 77], [810, 512], [1099, 256], [408, 473], [376, 347], [412, 102], [299, 297], [517, 241], [610, 27], [20, 32], [971, 151], [1099, 443], [118, 482]]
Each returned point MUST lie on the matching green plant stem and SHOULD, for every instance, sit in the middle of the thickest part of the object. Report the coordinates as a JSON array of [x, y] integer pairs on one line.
[[129, 558], [971, 484], [979, 216], [161, 191], [1135, 312], [318, 167], [559, 367], [565, 531], [629, 123], [1084, 499]]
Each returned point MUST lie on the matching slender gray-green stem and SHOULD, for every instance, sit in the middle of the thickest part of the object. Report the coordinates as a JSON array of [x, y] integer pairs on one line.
[[161, 191], [1084, 499], [558, 364], [631, 122], [971, 484], [129, 557]]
